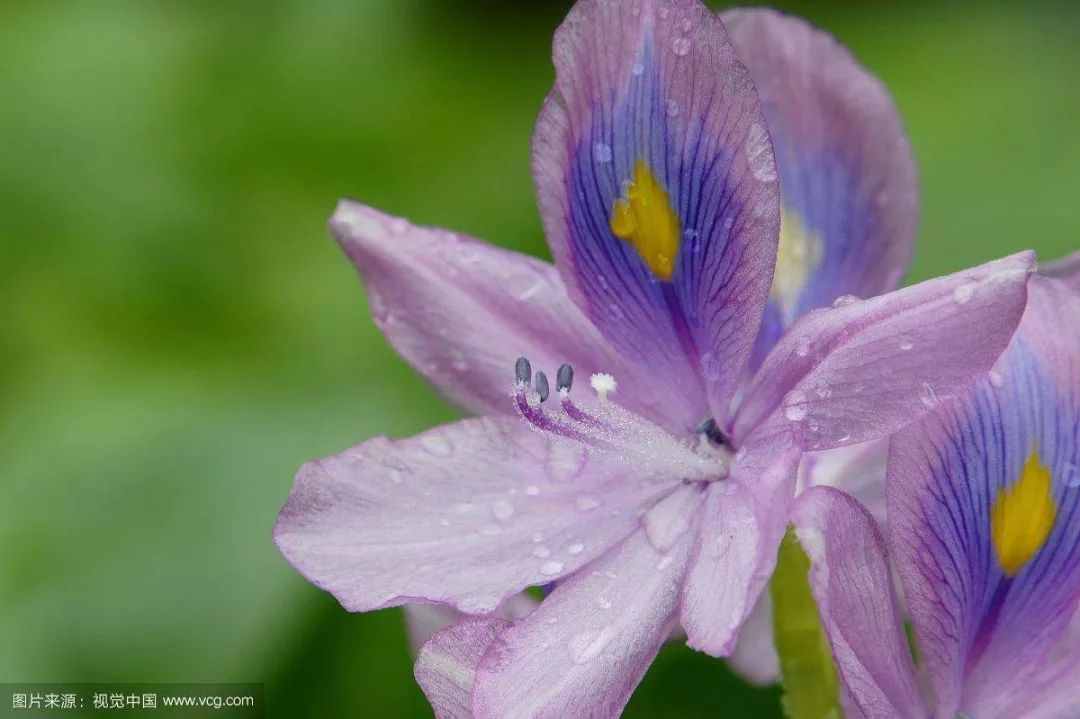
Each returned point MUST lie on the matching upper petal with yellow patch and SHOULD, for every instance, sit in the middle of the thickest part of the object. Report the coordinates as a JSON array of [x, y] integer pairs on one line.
[[984, 515], [658, 190], [847, 176]]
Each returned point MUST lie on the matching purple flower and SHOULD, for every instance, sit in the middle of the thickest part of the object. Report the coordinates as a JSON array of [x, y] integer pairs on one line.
[[984, 530], [659, 498]]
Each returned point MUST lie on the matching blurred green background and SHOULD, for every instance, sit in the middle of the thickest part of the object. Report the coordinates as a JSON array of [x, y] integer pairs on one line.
[[180, 333]]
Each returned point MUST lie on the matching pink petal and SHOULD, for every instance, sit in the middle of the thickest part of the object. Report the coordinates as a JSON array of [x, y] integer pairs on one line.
[[423, 621], [862, 370], [743, 521], [467, 514], [656, 83], [988, 628], [847, 176], [1066, 269], [754, 657], [585, 649], [462, 311], [446, 666], [850, 580]]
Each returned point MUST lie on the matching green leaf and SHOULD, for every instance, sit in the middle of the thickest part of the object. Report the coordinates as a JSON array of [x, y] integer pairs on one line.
[[810, 687]]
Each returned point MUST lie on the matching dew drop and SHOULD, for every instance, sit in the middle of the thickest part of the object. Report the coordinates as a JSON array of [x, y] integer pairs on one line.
[[687, 25], [576, 548], [672, 108], [589, 644], [502, 510], [795, 406], [586, 503], [532, 490], [681, 46], [551, 568], [602, 152], [803, 347], [1072, 474], [928, 395], [906, 344], [997, 379], [398, 226], [437, 444], [396, 477], [637, 68], [758, 155], [537, 537], [845, 300], [963, 294], [603, 602], [541, 552], [664, 562]]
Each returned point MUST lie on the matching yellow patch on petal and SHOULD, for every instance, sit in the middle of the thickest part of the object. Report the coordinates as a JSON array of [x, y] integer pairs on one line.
[[1023, 516], [644, 218], [797, 256]]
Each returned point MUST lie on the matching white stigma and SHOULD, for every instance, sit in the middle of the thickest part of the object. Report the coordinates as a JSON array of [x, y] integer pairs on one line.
[[603, 384]]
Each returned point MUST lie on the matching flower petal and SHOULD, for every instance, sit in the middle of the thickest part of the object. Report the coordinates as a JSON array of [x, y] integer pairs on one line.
[[852, 585], [847, 177], [446, 666], [755, 658], [466, 514], [582, 652], [862, 370], [1066, 269], [423, 621], [743, 521], [658, 189], [462, 311], [984, 515]]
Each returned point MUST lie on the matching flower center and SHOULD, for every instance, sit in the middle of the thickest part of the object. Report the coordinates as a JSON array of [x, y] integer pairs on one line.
[[604, 427]]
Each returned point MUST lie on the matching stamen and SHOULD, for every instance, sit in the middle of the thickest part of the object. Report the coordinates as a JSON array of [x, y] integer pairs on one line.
[[523, 372], [542, 388], [564, 378], [713, 433], [603, 384]]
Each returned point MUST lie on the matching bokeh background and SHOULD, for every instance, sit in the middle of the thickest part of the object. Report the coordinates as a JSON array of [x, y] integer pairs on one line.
[[179, 333]]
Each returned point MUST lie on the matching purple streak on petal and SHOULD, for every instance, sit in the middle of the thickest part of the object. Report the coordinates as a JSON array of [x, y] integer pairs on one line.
[[743, 521], [446, 666], [852, 585], [658, 81], [462, 311], [582, 652], [1066, 269], [846, 169], [986, 637], [467, 514], [860, 371]]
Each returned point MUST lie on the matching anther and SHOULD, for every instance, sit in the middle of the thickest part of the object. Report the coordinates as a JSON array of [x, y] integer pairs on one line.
[[542, 388], [713, 433], [564, 378], [523, 371]]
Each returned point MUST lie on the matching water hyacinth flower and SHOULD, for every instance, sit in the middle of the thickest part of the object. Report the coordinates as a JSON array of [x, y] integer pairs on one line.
[[656, 495], [984, 530]]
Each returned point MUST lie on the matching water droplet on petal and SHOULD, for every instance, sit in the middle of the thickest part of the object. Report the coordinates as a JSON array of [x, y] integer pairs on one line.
[[637, 68], [537, 537], [586, 503], [398, 226], [928, 395], [589, 644], [551, 568], [795, 406], [845, 300], [664, 562], [541, 552], [532, 490], [802, 348], [502, 509], [681, 46], [602, 152], [963, 294], [437, 444], [576, 548], [906, 344], [672, 108], [997, 379]]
